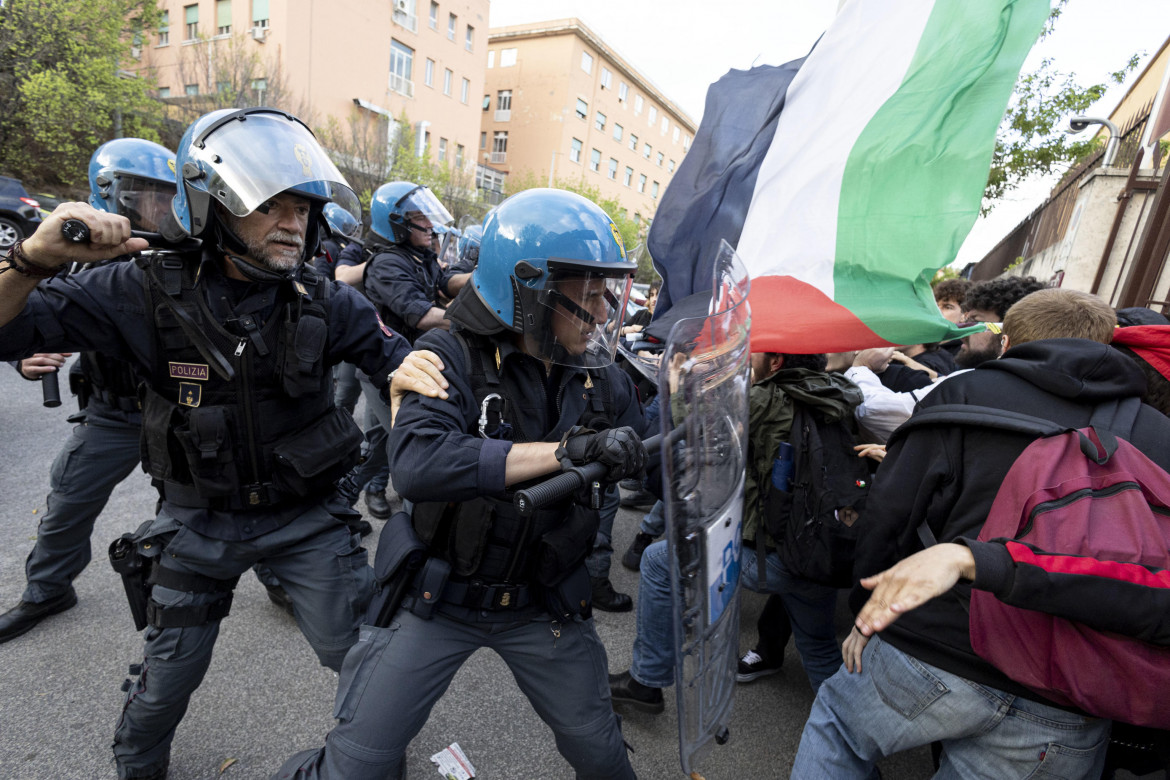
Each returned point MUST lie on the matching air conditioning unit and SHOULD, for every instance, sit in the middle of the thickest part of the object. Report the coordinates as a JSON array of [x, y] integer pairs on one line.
[[402, 6], [259, 34]]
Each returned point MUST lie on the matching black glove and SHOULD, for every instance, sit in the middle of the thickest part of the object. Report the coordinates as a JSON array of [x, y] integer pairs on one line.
[[618, 448]]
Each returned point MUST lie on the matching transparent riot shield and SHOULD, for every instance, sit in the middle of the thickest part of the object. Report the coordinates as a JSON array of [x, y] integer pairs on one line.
[[703, 380]]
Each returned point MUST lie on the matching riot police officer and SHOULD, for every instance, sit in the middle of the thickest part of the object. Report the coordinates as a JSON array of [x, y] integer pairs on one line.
[[235, 339], [136, 179], [531, 387]]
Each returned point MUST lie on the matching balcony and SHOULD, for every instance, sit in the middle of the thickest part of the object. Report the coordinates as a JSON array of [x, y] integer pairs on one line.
[[499, 157], [401, 85], [503, 114]]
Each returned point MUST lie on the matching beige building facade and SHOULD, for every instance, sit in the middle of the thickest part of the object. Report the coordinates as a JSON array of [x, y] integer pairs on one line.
[[335, 58], [559, 103]]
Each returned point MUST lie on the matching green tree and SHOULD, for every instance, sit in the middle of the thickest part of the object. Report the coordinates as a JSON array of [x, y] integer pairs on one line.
[[63, 89], [1032, 138]]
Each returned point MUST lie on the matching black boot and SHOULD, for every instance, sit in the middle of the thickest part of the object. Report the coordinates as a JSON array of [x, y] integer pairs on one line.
[[624, 689], [26, 614], [632, 558], [607, 599], [378, 505]]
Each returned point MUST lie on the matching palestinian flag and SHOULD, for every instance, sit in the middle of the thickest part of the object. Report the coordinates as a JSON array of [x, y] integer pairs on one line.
[[861, 179]]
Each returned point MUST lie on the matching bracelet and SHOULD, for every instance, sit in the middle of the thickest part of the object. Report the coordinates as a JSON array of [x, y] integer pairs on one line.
[[18, 261]]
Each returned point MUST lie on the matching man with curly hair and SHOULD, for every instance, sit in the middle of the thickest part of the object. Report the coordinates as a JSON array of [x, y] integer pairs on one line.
[[989, 302]]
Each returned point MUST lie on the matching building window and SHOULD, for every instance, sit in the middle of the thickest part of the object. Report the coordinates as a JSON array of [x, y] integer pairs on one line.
[[260, 13], [617, 132], [492, 58], [606, 79], [587, 62], [164, 92], [582, 109], [483, 140], [404, 15], [642, 182], [429, 73], [487, 102], [686, 142], [465, 93], [433, 19], [633, 142], [623, 91], [448, 77], [500, 146], [458, 155], [507, 58], [470, 40], [191, 15], [660, 159], [654, 190], [504, 100], [646, 151], [223, 17], [653, 116], [451, 20], [628, 177], [221, 87], [595, 160], [637, 105], [613, 169], [164, 29], [675, 138], [670, 166], [191, 89], [259, 87], [575, 150], [599, 121], [664, 125], [443, 150], [401, 66]]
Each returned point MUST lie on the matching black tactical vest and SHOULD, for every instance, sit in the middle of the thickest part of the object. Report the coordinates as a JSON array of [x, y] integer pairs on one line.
[[239, 415]]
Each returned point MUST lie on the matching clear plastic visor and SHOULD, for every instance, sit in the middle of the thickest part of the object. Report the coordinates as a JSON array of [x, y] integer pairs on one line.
[[582, 319], [248, 161], [422, 202], [145, 202]]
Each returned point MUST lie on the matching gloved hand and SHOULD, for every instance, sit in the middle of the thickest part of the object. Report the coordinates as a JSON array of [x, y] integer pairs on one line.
[[618, 448]]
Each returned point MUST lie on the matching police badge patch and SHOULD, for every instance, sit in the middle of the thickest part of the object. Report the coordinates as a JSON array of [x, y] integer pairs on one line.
[[198, 371], [190, 394]]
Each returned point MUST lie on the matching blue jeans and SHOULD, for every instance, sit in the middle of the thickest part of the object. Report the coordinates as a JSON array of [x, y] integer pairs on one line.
[[374, 475], [897, 702], [654, 521], [809, 605]]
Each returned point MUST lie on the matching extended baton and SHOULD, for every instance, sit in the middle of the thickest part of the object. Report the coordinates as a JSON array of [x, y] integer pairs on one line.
[[567, 482]]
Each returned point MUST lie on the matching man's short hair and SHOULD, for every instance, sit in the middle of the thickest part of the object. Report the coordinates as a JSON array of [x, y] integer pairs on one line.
[[998, 295], [951, 290], [1053, 313], [811, 362]]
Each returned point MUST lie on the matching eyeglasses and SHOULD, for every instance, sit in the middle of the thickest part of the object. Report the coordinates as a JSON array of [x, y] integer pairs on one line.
[[992, 327]]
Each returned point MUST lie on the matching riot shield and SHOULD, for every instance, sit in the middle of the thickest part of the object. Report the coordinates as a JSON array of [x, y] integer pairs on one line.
[[703, 380]]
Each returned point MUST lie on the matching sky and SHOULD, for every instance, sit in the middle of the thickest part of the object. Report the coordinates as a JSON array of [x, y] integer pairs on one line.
[[682, 46]]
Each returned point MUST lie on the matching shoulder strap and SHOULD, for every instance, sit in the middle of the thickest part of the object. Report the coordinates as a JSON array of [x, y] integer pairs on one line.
[[486, 387], [170, 268], [978, 416]]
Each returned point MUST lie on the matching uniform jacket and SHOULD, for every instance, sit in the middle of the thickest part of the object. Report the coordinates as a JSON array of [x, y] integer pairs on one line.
[[404, 282], [949, 476]]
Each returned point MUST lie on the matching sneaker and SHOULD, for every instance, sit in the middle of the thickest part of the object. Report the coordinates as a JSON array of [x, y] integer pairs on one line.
[[624, 689], [632, 558], [753, 666], [607, 599]]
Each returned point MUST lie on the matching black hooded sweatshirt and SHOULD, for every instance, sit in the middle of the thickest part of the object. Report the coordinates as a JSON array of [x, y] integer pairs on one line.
[[949, 476]]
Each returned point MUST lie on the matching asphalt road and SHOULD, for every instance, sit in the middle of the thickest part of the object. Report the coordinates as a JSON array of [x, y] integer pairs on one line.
[[265, 697]]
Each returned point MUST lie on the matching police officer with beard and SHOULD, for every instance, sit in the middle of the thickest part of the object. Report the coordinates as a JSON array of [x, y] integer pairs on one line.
[[532, 389], [235, 338]]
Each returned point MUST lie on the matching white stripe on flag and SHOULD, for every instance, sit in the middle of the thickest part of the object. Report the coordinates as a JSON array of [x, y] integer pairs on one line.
[[791, 225]]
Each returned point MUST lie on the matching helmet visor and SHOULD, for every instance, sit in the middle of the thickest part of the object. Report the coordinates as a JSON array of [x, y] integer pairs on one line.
[[422, 202], [249, 159], [579, 318], [145, 202]]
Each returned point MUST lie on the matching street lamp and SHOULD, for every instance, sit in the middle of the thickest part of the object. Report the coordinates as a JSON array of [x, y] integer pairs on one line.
[[1079, 124]]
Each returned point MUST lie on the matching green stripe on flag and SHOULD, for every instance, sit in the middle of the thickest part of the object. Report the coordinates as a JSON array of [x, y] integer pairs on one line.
[[914, 180]]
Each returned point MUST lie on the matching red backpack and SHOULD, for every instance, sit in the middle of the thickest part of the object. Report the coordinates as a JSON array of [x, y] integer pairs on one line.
[[1075, 502]]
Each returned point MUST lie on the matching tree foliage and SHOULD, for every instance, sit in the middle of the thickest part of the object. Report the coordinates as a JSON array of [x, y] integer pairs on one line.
[[63, 87], [1032, 139]]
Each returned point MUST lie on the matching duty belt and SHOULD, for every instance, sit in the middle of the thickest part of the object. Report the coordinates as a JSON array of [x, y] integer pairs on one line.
[[113, 400], [248, 497], [479, 595]]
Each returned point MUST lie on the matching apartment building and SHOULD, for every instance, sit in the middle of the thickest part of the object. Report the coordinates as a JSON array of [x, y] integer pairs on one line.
[[559, 103], [334, 58]]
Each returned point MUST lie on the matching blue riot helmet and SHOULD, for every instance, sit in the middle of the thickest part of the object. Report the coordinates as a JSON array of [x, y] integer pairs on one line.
[[394, 206], [134, 178], [342, 223], [240, 158], [553, 267]]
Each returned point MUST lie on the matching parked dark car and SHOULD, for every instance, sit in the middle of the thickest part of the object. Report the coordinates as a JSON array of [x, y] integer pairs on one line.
[[19, 214]]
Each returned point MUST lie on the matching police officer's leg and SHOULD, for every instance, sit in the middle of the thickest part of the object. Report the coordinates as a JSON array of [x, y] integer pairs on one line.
[[390, 681], [598, 563], [323, 568], [98, 455], [561, 667], [190, 598]]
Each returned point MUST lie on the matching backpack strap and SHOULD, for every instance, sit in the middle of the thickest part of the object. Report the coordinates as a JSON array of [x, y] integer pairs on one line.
[[163, 281]]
